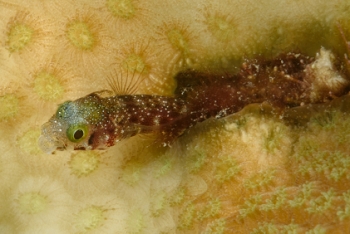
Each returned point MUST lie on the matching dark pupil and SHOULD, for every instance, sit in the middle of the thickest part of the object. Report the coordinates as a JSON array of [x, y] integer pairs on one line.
[[78, 134]]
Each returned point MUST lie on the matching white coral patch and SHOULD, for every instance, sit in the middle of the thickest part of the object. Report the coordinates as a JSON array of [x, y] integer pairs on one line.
[[325, 79]]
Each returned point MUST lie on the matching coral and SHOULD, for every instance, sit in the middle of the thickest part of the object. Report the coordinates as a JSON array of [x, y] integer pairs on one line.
[[217, 226], [223, 28], [84, 163], [89, 172], [136, 222], [9, 106], [14, 108], [52, 81], [97, 214], [28, 142], [123, 9], [136, 67], [132, 14], [85, 40], [39, 200], [27, 34], [252, 172], [18, 37], [176, 41], [47, 86], [90, 218]]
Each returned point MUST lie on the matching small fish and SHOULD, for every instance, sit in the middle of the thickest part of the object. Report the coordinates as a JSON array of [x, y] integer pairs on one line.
[[287, 81], [95, 122]]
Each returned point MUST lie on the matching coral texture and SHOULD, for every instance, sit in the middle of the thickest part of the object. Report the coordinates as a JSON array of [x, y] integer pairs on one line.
[[251, 172]]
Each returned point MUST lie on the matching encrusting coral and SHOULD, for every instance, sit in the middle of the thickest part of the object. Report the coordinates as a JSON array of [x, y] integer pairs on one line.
[[251, 172]]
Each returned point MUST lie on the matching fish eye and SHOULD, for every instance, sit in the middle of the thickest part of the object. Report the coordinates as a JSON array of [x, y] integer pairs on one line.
[[77, 133]]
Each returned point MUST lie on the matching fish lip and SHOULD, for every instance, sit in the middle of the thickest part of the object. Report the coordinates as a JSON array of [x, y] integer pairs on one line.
[[61, 148], [79, 148], [49, 141], [47, 145]]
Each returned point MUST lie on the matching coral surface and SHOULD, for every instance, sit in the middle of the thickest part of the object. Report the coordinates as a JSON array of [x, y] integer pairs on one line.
[[251, 172]]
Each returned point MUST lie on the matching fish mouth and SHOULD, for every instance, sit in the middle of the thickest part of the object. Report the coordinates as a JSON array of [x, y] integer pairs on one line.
[[49, 140], [49, 145], [79, 148]]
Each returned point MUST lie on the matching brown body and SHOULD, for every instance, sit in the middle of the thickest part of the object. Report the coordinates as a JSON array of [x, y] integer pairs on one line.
[[283, 82], [279, 82]]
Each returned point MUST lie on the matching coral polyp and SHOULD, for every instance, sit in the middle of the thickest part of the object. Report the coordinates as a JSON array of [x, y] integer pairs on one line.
[[28, 35], [19, 36], [84, 163], [32, 203], [28, 142], [85, 38], [48, 87], [136, 222], [90, 218], [122, 8], [221, 27], [177, 40], [9, 106], [136, 66], [136, 58], [178, 44], [134, 63], [39, 200], [80, 35]]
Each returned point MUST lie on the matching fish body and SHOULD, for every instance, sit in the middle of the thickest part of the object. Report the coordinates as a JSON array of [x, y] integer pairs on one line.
[[95, 122], [287, 81]]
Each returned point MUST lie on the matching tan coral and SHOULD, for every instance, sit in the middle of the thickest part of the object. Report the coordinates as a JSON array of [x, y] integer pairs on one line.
[[249, 173]]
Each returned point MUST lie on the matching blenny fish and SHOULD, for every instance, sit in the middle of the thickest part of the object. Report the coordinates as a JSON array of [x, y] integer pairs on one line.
[[286, 81]]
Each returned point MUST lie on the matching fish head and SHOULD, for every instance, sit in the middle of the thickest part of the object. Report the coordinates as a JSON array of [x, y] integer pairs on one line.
[[82, 124]]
